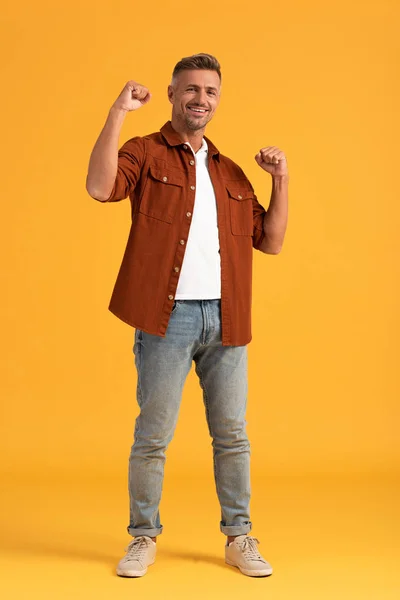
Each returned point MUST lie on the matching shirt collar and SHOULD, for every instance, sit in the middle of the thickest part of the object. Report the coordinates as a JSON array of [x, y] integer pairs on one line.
[[203, 148], [172, 138]]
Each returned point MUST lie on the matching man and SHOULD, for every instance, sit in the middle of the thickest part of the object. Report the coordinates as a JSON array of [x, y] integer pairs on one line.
[[185, 285]]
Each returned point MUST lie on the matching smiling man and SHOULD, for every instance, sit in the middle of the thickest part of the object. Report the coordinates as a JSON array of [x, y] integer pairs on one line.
[[185, 285]]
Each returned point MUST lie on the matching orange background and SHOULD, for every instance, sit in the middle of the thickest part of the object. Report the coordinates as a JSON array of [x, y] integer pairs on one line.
[[320, 81]]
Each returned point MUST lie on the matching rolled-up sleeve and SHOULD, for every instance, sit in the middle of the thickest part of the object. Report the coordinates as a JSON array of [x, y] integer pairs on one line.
[[131, 158]]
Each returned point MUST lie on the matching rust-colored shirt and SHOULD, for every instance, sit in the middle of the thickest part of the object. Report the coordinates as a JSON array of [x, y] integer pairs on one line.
[[158, 174]]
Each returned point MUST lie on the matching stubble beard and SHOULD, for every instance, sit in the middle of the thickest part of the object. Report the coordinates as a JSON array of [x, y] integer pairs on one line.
[[195, 125]]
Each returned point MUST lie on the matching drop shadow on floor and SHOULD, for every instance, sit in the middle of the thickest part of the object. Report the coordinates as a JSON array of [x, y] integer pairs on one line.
[[60, 550], [106, 551], [66, 550], [193, 557]]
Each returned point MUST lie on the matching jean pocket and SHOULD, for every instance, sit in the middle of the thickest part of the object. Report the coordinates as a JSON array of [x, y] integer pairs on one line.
[[175, 306]]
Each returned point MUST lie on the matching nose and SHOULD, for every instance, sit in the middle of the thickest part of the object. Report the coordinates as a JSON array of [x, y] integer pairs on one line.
[[201, 97]]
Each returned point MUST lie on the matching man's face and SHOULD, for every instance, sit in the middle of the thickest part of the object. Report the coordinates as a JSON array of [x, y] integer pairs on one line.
[[195, 96]]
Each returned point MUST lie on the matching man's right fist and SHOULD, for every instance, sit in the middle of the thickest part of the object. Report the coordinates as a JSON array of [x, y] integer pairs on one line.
[[133, 96]]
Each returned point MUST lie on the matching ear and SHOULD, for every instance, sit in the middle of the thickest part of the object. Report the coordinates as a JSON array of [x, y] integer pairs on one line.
[[171, 94]]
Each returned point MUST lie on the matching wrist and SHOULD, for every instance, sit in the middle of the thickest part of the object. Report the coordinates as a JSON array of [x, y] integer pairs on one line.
[[280, 179], [117, 113], [284, 177]]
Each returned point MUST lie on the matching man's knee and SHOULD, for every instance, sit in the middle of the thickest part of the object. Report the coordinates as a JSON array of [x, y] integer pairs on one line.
[[231, 436], [151, 444]]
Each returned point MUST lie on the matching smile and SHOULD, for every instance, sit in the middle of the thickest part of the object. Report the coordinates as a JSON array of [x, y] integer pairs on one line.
[[197, 110]]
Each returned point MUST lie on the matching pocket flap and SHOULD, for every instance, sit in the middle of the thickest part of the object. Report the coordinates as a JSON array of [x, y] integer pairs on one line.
[[239, 193], [166, 176]]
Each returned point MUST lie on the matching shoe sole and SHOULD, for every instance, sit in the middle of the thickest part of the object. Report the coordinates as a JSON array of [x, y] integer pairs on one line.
[[252, 573], [127, 573]]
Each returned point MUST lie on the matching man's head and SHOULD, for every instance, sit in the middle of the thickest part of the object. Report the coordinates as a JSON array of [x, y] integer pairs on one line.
[[194, 91]]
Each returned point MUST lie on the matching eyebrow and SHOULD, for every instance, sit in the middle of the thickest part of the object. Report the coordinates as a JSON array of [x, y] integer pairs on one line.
[[208, 87]]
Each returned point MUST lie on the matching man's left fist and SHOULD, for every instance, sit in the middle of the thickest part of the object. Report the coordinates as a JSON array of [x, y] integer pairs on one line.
[[272, 160]]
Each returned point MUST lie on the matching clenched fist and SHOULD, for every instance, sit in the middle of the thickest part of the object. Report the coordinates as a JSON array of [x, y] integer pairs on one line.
[[133, 96], [272, 160]]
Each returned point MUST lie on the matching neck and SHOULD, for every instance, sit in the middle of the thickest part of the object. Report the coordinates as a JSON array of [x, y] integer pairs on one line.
[[195, 138]]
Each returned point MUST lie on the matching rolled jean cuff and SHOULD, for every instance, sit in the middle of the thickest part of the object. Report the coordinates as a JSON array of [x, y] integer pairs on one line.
[[136, 531], [236, 529]]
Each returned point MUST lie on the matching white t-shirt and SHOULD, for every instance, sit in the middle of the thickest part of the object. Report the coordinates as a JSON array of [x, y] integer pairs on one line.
[[200, 277]]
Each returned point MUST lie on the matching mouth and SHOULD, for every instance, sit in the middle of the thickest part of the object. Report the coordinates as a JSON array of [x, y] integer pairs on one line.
[[196, 111]]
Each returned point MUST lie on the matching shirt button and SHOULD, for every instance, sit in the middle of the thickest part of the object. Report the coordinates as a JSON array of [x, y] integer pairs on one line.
[[184, 147], [182, 242], [192, 187], [170, 297], [165, 178], [176, 269], [191, 162], [188, 214], [240, 197]]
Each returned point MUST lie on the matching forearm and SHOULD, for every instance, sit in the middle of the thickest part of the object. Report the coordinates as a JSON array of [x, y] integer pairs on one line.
[[103, 163], [276, 217]]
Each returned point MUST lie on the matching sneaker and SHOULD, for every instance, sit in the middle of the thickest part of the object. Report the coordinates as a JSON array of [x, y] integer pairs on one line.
[[243, 553], [140, 553]]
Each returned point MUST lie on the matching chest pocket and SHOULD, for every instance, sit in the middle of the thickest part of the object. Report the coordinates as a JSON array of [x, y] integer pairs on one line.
[[161, 194], [241, 208]]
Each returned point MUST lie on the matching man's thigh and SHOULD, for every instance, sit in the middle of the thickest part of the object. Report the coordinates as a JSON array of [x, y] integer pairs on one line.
[[222, 372]]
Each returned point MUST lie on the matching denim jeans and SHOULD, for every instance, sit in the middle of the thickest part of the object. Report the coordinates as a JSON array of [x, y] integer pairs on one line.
[[193, 334]]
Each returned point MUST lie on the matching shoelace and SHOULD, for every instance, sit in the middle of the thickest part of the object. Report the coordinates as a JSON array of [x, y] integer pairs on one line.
[[137, 548], [249, 548]]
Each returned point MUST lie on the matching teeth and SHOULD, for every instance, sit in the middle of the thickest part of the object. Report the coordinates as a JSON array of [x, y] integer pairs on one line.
[[197, 109]]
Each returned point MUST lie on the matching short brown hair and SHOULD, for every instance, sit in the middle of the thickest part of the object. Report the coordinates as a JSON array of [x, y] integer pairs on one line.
[[198, 61]]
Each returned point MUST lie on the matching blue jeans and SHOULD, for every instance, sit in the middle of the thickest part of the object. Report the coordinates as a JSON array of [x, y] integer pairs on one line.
[[194, 333]]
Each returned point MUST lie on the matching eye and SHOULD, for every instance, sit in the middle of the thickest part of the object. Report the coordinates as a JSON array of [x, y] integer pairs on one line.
[[211, 92]]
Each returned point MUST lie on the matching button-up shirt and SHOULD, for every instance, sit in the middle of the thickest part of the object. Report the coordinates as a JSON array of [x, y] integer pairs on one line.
[[158, 173]]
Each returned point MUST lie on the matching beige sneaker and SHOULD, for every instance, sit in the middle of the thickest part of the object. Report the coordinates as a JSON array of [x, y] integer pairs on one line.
[[140, 553], [243, 553]]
